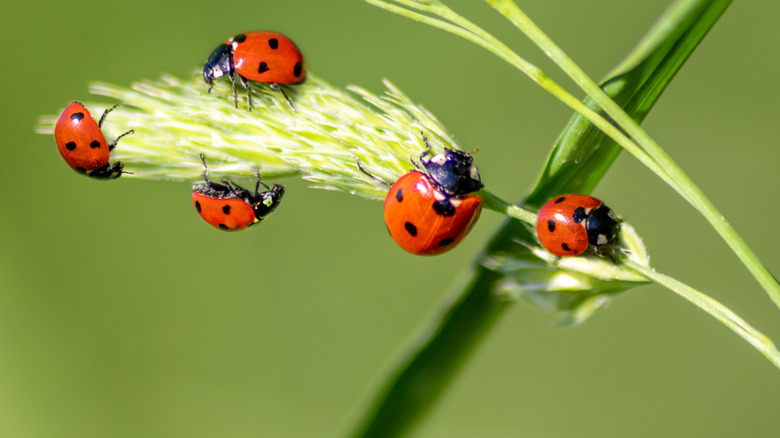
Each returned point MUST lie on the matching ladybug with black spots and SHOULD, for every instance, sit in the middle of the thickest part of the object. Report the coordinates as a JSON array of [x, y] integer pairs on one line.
[[83, 145], [568, 225], [259, 56], [430, 210], [229, 207]]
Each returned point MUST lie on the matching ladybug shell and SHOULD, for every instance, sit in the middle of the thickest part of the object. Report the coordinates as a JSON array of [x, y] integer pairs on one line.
[[221, 210], [264, 56], [419, 221], [561, 224], [80, 140]]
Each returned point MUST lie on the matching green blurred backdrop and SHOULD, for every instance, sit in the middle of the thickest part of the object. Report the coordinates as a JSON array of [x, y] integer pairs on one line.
[[123, 315]]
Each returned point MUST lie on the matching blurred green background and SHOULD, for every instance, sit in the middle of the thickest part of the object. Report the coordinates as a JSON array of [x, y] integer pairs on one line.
[[122, 314]]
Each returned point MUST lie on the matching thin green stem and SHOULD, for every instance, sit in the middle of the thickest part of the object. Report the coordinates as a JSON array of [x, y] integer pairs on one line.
[[671, 173], [492, 202], [468, 30], [715, 309]]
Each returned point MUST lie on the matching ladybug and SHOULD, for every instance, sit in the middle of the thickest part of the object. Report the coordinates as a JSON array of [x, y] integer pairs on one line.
[[568, 224], [429, 210], [230, 207], [83, 145], [260, 56]]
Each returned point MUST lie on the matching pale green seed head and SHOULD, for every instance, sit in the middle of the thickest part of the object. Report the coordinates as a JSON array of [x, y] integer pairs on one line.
[[321, 139]]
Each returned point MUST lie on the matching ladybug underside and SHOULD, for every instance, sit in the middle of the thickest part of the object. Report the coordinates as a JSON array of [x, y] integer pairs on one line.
[[221, 191]]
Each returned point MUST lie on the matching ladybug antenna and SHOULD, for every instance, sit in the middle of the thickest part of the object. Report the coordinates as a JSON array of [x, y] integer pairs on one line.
[[474, 151], [374, 177], [105, 113], [276, 86]]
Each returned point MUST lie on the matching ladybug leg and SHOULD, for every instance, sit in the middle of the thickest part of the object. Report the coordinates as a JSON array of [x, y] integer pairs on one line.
[[205, 168], [232, 75], [113, 145], [245, 83], [418, 165], [233, 189], [109, 171], [276, 86], [374, 177], [260, 181], [105, 113]]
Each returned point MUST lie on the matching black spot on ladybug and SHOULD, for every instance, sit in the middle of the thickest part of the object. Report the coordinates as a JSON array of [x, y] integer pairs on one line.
[[226, 209], [446, 241], [579, 215], [197, 206], [559, 200], [263, 67], [273, 43], [240, 38], [95, 144], [565, 247], [551, 225], [70, 145], [444, 208], [411, 229], [76, 117], [399, 196], [298, 69], [223, 227]]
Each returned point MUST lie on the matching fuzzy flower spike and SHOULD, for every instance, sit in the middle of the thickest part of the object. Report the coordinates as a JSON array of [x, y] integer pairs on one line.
[[321, 140]]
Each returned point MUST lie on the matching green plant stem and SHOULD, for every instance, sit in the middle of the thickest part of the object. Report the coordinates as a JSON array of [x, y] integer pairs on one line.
[[492, 202], [433, 361], [473, 33], [715, 309], [671, 171]]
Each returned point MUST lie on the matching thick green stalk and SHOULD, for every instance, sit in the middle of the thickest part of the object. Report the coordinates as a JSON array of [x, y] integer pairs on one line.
[[430, 365]]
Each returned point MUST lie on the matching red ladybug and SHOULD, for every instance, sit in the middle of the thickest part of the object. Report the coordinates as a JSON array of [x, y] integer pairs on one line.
[[82, 144], [429, 211], [568, 224], [230, 207], [260, 56]]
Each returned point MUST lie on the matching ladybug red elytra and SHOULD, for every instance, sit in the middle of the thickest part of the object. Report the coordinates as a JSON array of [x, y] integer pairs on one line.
[[429, 211], [229, 207], [568, 224], [260, 56], [83, 145]]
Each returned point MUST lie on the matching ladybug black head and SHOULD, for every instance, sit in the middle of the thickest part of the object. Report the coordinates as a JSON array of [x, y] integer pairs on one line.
[[220, 63], [453, 172], [602, 227], [265, 203]]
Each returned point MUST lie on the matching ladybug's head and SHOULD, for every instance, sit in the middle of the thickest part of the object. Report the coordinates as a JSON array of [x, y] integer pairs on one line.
[[266, 202], [453, 172], [220, 63], [602, 226]]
